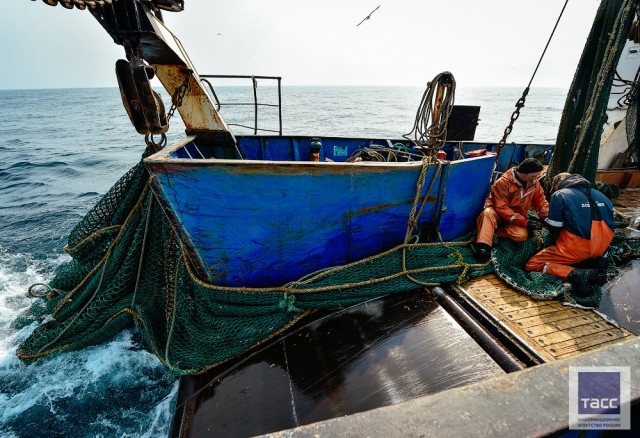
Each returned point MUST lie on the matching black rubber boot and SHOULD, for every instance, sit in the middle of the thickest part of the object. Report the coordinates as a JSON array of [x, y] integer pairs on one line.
[[581, 279], [600, 263], [483, 251]]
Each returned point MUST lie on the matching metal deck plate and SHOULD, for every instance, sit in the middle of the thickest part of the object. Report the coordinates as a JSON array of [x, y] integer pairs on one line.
[[378, 353]]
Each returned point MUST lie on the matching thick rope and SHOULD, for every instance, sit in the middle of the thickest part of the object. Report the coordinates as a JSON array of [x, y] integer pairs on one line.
[[172, 323], [427, 133]]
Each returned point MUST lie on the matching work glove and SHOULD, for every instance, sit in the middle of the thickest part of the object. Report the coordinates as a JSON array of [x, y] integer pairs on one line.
[[531, 217], [533, 225]]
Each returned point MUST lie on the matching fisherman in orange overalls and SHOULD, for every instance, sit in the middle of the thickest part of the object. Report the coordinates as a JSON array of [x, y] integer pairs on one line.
[[505, 214], [583, 218]]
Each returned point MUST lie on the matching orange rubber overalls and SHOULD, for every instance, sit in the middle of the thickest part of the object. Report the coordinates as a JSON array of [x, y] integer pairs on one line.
[[505, 211], [585, 217]]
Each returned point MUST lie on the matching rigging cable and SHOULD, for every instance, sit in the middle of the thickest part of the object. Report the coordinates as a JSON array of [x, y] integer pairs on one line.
[[520, 103]]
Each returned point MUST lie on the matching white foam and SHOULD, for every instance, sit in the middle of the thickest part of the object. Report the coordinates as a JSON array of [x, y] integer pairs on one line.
[[118, 371], [102, 371], [162, 414], [17, 273]]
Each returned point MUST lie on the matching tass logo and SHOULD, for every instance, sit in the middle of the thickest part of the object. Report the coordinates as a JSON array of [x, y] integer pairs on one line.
[[599, 397], [598, 393]]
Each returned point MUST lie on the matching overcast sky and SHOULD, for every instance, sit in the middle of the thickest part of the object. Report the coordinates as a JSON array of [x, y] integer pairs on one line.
[[405, 42]]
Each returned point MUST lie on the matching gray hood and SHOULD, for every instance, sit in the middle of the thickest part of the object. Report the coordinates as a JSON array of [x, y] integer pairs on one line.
[[574, 182]]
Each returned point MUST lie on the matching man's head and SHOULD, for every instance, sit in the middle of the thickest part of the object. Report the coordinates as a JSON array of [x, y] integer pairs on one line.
[[555, 184], [529, 170]]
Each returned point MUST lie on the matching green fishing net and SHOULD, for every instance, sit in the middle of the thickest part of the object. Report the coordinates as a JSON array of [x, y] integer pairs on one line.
[[510, 257], [128, 268]]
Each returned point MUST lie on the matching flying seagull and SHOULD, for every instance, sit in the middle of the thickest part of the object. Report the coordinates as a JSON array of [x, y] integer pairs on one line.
[[367, 17]]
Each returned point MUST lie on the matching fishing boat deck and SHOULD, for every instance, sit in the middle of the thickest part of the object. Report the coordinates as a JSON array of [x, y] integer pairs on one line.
[[395, 349], [550, 329], [554, 331]]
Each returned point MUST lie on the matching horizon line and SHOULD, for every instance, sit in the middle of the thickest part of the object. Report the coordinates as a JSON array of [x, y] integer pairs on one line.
[[283, 86]]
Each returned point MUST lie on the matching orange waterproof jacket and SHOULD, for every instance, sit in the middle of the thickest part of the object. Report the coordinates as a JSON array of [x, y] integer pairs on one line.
[[512, 201]]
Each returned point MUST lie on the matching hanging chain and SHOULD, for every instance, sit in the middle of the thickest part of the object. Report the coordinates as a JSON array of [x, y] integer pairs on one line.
[[179, 94], [514, 117]]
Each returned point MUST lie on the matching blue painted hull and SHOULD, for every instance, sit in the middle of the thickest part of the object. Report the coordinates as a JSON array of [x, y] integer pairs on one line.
[[264, 223]]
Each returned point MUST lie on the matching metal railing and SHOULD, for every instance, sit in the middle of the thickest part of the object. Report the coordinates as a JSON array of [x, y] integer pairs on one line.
[[255, 104]]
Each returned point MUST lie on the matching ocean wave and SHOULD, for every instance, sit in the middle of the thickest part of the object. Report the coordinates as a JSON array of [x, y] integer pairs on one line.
[[18, 272], [28, 164], [88, 392], [79, 393], [17, 142]]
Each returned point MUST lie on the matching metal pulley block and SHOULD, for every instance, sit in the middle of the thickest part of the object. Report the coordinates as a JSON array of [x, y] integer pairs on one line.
[[143, 104]]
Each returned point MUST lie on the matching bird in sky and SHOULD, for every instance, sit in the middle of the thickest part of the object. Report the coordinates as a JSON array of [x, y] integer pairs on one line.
[[367, 17]]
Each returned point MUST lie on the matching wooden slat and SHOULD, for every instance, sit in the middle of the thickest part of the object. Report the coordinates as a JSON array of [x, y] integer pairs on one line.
[[514, 301], [561, 324], [493, 291], [515, 315], [574, 346], [554, 331], [552, 318], [570, 334], [557, 318]]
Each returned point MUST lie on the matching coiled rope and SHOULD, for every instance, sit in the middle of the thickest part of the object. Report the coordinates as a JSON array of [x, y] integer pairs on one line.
[[427, 133]]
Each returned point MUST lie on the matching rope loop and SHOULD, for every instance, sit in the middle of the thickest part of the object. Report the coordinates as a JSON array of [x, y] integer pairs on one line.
[[47, 290], [413, 240]]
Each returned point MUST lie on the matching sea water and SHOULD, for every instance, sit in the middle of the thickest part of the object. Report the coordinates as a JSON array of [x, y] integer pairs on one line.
[[61, 150]]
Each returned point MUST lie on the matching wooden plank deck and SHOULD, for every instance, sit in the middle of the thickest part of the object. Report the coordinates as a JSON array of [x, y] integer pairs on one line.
[[554, 331]]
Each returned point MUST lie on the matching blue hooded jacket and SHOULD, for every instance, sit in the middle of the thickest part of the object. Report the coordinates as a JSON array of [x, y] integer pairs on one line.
[[569, 207]]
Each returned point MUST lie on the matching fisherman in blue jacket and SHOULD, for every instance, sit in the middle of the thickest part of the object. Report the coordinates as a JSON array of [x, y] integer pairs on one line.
[[583, 218]]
